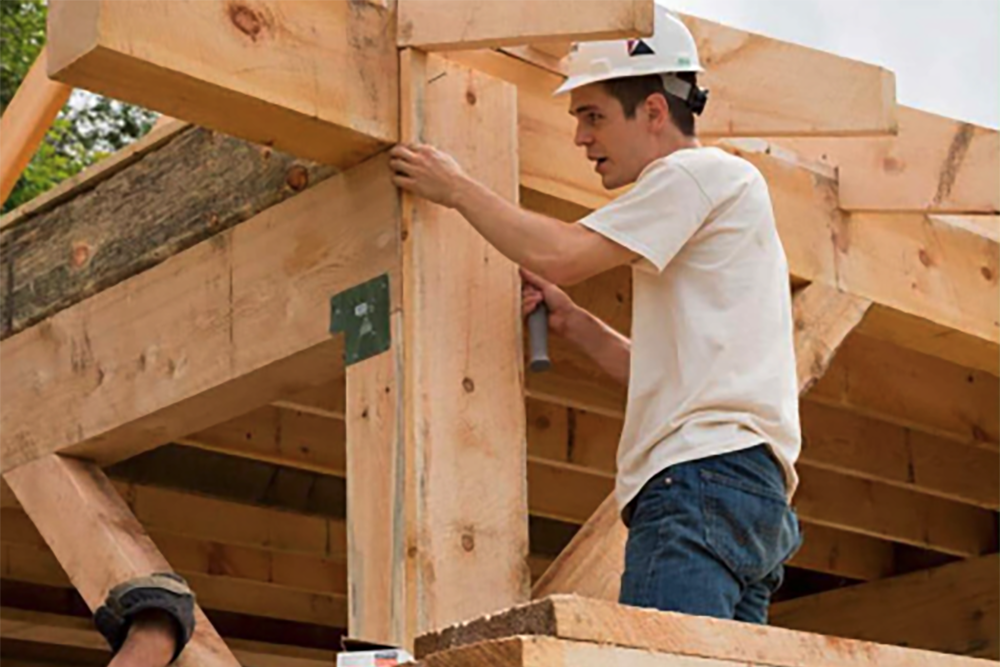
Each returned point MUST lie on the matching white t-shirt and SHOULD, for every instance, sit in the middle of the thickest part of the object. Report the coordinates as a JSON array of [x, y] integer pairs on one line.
[[713, 358]]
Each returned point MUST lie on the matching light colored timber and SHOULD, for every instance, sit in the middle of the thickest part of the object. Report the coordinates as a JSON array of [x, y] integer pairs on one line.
[[570, 630], [934, 164], [877, 379], [98, 541], [27, 119], [317, 80], [437, 25], [954, 608], [599, 546], [436, 426], [58, 630], [118, 372]]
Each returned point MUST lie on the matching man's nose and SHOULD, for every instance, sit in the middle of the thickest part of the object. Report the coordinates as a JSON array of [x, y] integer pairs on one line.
[[583, 136]]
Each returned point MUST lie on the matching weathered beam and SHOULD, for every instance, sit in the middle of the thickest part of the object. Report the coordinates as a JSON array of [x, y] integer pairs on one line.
[[27, 119], [934, 164], [665, 638], [119, 219], [436, 425], [118, 371], [439, 25], [98, 541], [600, 545], [317, 80], [954, 609]]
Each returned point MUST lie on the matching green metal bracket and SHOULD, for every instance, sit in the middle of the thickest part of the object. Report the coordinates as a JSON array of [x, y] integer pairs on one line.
[[362, 315]]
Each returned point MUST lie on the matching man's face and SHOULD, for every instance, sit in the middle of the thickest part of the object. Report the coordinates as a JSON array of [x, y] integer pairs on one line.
[[620, 147]]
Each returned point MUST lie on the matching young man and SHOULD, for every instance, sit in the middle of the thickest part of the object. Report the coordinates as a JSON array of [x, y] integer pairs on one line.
[[711, 434]]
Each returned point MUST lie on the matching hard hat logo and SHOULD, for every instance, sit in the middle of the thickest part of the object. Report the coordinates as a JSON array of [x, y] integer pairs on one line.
[[637, 47], [671, 50]]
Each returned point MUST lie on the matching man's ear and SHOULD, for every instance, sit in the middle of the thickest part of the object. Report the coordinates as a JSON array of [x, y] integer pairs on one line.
[[658, 111]]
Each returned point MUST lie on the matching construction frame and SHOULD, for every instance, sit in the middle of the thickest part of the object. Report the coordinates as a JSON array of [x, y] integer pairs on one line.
[[184, 386]]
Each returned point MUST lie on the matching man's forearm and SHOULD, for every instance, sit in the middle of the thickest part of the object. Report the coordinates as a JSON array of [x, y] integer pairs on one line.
[[610, 350], [528, 239]]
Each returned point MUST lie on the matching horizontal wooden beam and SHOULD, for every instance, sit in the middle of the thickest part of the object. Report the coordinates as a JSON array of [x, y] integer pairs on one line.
[[437, 25], [934, 164], [318, 80], [118, 370], [877, 379], [585, 626], [954, 609]]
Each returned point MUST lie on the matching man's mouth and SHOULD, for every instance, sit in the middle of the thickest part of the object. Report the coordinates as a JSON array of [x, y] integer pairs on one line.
[[598, 161]]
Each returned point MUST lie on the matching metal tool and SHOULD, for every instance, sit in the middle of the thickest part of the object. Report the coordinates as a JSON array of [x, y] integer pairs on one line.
[[538, 333]]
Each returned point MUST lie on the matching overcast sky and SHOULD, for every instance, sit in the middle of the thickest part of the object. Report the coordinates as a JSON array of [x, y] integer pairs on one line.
[[945, 53]]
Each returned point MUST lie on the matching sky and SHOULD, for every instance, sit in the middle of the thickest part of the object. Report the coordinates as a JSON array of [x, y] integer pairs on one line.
[[945, 53]]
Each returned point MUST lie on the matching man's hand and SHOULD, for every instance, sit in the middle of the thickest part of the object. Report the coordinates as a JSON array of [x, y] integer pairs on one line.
[[427, 172], [561, 308]]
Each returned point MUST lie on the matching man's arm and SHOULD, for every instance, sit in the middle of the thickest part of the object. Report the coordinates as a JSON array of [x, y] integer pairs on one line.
[[610, 350], [151, 642], [562, 253]]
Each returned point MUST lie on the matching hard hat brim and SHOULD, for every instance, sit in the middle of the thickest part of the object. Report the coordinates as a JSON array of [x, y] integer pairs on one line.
[[574, 82]]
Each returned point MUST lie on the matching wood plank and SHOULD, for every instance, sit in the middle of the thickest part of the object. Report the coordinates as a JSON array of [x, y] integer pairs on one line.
[[596, 623], [116, 223], [954, 608], [118, 371], [934, 164], [441, 25], [446, 406], [877, 379], [98, 541], [27, 119], [317, 80]]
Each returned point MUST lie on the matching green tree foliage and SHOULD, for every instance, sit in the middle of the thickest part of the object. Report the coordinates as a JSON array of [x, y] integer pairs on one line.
[[88, 127]]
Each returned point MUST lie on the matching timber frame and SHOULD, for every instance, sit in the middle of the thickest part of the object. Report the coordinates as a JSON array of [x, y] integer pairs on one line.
[[173, 397]]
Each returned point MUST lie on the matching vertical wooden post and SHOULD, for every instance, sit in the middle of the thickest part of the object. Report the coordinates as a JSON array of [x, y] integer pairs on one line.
[[98, 541], [437, 494]]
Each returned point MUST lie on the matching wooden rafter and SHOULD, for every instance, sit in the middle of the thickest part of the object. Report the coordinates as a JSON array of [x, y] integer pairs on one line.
[[99, 542]]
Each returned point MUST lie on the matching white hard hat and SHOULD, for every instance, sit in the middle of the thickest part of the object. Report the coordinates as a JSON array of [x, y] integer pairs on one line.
[[671, 49]]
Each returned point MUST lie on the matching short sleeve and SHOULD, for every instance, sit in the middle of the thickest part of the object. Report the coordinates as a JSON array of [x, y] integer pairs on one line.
[[657, 216]]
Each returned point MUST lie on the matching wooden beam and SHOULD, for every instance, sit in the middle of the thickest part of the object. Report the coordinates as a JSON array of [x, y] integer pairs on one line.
[[573, 631], [27, 119], [600, 545], [954, 609], [877, 379], [118, 371], [553, 165], [121, 219], [98, 541], [59, 630], [436, 426], [935, 164], [314, 79], [440, 25]]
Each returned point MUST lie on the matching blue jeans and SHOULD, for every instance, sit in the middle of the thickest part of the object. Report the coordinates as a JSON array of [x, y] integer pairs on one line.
[[710, 537]]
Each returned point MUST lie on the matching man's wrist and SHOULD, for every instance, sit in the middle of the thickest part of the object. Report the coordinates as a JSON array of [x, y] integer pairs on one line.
[[461, 193]]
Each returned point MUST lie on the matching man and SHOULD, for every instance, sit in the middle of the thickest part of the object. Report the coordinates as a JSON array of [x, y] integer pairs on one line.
[[711, 434]]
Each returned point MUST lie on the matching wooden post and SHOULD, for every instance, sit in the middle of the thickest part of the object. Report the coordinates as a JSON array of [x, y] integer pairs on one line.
[[27, 119], [98, 541], [437, 498]]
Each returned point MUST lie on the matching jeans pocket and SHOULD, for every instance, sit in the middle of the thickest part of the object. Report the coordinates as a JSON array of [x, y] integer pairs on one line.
[[750, 529]]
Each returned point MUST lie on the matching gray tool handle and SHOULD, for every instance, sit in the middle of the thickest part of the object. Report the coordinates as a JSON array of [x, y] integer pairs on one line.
[[538, 331]]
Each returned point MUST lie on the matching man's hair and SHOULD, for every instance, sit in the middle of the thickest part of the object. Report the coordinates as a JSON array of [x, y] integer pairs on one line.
[[633, 90]]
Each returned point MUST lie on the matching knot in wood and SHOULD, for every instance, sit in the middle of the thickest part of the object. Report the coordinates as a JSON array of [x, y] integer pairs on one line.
[[297, 178], [468, 541], [468, 385], [251, 23], [80, 254]]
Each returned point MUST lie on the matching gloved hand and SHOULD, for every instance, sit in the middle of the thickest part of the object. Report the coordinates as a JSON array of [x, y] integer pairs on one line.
[[163, 591]]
